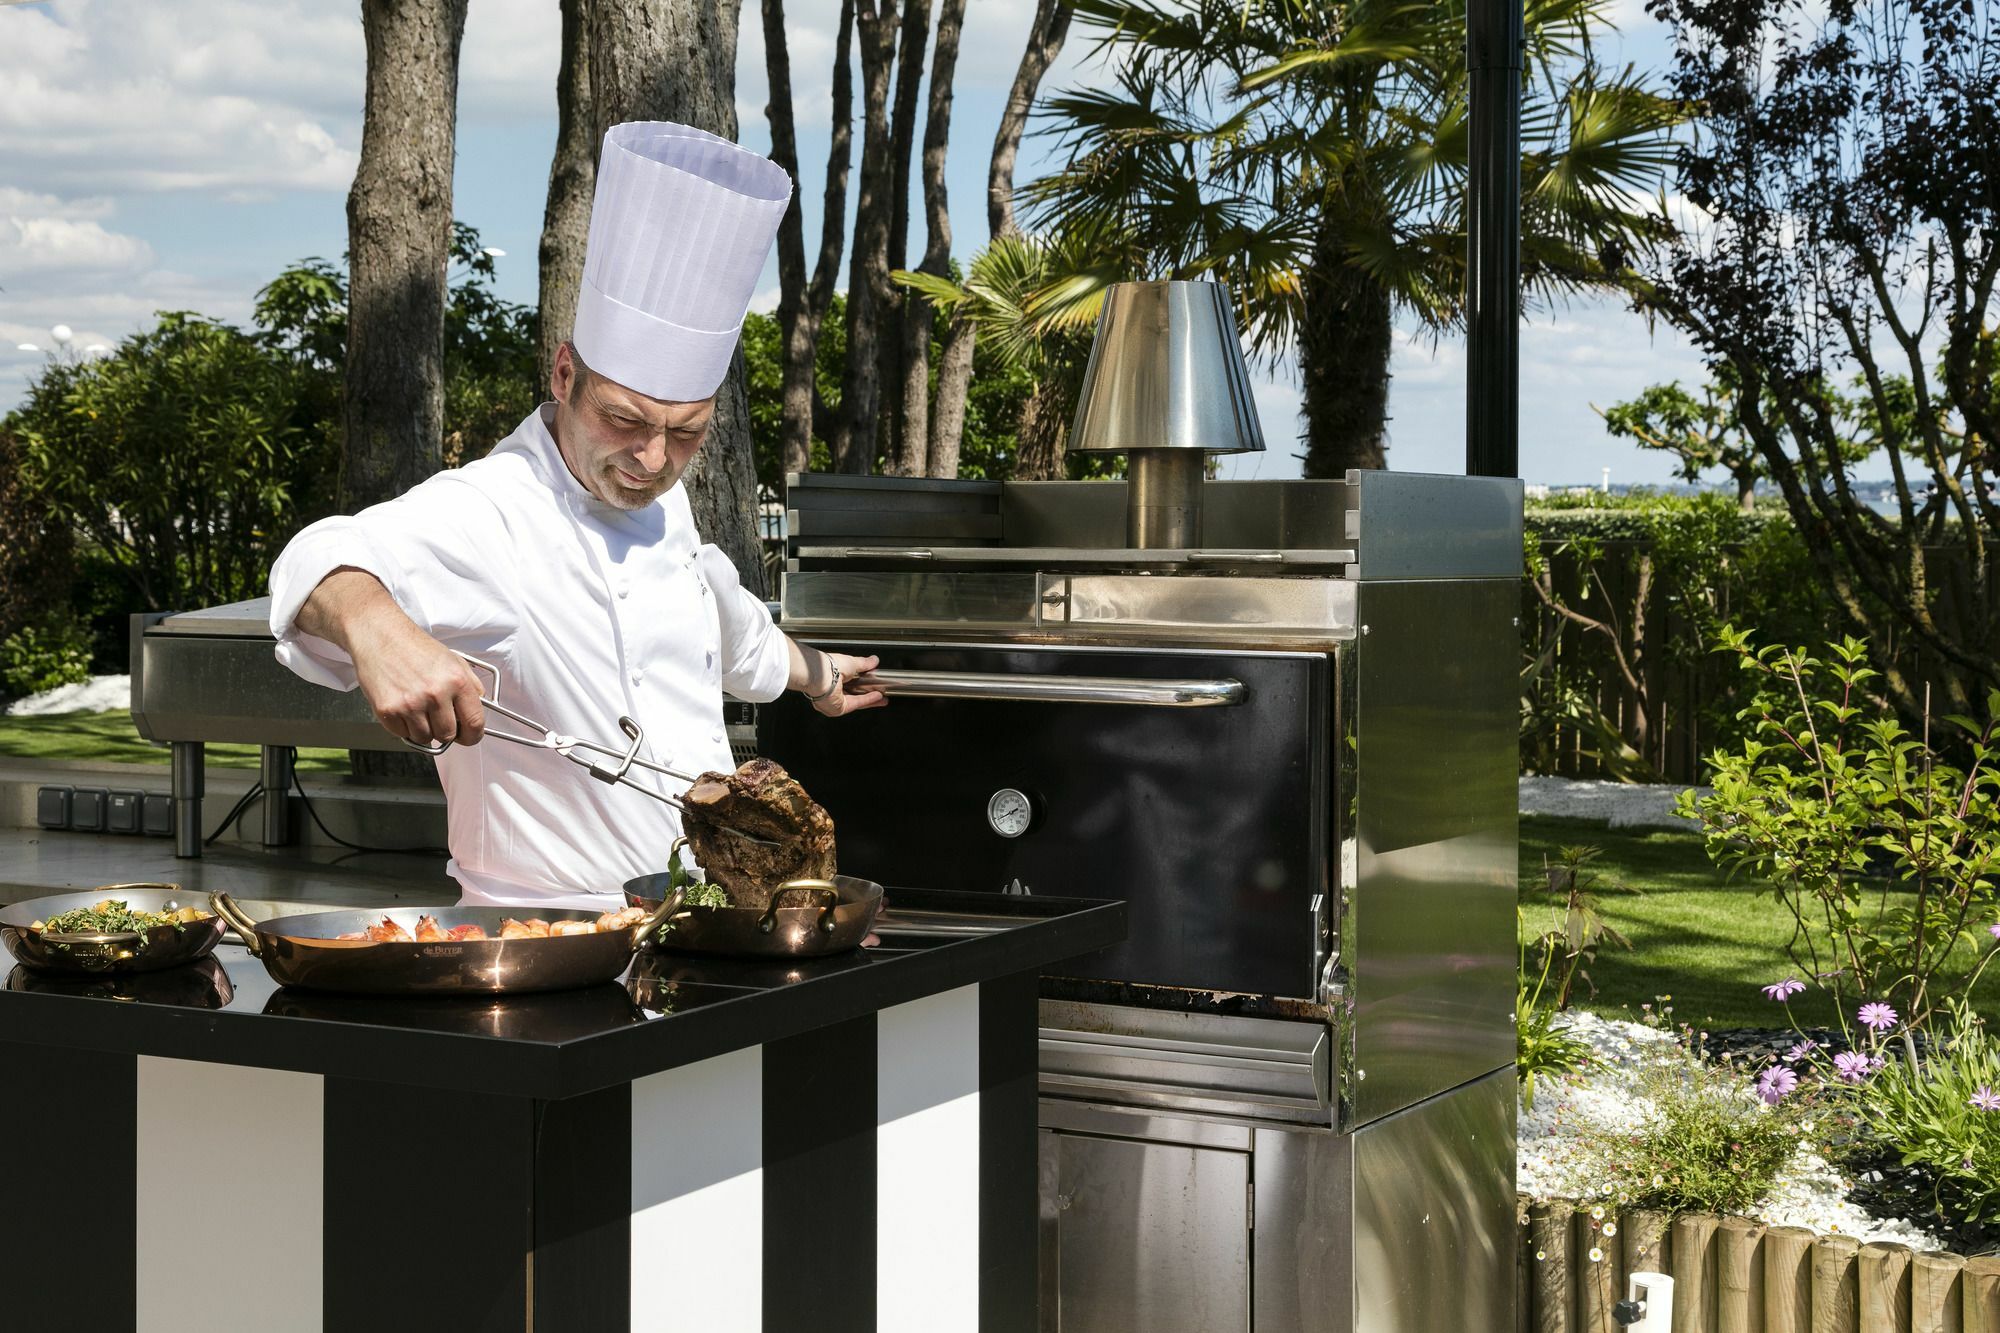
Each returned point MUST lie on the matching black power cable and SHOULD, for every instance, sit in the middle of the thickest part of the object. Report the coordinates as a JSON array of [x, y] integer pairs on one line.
[[300, 787], [235, 813]]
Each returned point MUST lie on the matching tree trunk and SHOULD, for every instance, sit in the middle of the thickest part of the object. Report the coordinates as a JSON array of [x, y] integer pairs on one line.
[[954, 379], [915, 435], [572, 181], [868, 269], [1045, 42], [896, 305], [802, 305], [1746, 490], [676, 60], [722, 485], [398, 243], [1344, 343], [1044, 453]]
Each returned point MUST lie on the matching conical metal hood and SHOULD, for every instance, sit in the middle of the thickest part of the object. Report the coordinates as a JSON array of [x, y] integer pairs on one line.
[[1166, 372]]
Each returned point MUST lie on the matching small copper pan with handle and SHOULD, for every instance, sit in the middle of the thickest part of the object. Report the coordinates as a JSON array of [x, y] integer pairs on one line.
[[806, 918], [107, 952]]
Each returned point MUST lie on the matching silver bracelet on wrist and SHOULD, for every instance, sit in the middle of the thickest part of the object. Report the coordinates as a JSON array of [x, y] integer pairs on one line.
[[830, 689]]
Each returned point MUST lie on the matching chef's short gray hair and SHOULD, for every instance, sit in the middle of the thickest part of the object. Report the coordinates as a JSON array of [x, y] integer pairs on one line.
[[583, 373]]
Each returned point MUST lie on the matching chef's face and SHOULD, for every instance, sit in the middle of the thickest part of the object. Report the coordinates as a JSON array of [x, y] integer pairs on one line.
[[625, 448]]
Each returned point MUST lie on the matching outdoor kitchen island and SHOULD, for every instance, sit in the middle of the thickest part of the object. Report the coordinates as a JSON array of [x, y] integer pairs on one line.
[[833, 1144]]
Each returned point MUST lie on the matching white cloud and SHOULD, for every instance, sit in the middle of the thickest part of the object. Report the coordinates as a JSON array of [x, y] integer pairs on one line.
[[35, 245], [508, 62], [234, 95]]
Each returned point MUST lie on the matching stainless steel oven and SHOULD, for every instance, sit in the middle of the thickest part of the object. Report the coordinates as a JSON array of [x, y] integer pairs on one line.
[[1285, 1103]]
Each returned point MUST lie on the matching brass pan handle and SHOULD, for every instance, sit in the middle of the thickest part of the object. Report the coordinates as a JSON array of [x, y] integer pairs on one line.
[[225, 907], [825, 923], [668, 906]]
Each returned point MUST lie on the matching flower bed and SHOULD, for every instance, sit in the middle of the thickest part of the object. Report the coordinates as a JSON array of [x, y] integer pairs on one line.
[[1560, 1140]]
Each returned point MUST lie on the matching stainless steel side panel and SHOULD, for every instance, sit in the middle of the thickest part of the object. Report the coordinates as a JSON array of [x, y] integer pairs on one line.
[[192, 688], [1434, 1225], [1427, 930], [1413, 525], [1150, 1237]]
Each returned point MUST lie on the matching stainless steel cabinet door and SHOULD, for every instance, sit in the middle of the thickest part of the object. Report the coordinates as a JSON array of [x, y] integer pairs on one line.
[[1149, 1237]]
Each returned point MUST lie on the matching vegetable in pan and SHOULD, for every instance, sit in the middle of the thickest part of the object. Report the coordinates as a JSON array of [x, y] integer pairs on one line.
[[113, 916], [700, 893]]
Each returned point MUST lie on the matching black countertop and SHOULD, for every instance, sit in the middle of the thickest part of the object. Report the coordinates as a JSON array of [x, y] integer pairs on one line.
[[668, 1010]]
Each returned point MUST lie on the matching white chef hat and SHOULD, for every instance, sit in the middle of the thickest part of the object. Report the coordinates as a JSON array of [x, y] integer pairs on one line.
[[679, 232]]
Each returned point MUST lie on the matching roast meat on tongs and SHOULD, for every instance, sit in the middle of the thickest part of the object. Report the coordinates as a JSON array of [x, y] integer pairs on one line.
[[752, 831], [791, 835]]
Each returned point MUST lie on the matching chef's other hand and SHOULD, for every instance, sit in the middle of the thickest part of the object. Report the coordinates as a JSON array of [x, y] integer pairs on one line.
[[852, 696], [420, 690]]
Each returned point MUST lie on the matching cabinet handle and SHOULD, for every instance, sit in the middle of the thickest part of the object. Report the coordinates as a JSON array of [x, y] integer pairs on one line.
[[1128, 690]]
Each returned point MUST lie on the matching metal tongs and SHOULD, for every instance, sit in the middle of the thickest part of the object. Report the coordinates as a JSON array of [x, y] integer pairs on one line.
[[569, 746]]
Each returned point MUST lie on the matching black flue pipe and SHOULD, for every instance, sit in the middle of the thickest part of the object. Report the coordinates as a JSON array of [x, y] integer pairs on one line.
[[1493, 40]]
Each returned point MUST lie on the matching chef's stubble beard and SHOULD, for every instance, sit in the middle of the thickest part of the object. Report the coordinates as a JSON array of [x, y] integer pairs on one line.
[[621, 496]]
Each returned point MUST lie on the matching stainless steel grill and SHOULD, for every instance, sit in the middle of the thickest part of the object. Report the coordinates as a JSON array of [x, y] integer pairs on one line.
[[1285, 1103]]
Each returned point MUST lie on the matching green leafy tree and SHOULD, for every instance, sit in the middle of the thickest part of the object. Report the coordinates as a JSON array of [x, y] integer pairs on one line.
[[996, 400], [489, 345], [181, 455], [1313, 155], [1844, 165], [1701, 432]]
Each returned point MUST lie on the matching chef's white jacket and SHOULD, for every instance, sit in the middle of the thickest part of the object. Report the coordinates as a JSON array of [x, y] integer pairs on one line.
[[588, 612]]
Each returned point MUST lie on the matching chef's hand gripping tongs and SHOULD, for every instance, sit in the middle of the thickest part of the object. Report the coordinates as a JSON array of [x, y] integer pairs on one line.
[[569, 746]]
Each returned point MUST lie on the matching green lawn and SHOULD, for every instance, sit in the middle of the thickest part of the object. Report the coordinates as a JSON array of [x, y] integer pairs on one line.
[[1707, 941], [111, 737]]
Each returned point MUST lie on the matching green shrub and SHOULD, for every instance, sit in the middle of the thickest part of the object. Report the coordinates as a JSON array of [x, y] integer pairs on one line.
[[1883, 854], [1705, 1143], [1943, 1113], [41, 657]]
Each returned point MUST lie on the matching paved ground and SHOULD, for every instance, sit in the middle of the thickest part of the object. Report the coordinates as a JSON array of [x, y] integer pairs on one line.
[[1619, 804], [34, 863]]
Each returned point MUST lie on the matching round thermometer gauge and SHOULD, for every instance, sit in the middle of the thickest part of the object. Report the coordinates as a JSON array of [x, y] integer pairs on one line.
[[1009, 812]]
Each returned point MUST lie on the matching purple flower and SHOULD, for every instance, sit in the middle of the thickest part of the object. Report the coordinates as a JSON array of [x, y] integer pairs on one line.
[[1984, 1100], [1875, 1062], [1775, 1083], [1784, 990], [1877, 1015], [1850, 1066], [1801, 1051], [1994, 930]]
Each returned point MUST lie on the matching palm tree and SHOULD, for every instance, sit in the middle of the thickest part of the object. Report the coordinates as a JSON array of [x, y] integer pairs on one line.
[[1313, 155], [1011, 299]]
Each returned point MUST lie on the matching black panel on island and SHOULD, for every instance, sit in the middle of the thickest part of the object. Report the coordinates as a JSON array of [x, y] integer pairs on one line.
[[717, 1146]]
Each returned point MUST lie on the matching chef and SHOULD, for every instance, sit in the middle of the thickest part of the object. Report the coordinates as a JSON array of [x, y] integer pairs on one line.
[[567, 558]]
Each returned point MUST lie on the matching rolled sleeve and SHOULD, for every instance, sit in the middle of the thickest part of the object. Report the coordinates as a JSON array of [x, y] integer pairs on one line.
[[439, 550], [755, 666]]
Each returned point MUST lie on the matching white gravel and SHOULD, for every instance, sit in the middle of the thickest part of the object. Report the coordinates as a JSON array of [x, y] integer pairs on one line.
[[1552, 1159], [1619, 804], [99, 694]]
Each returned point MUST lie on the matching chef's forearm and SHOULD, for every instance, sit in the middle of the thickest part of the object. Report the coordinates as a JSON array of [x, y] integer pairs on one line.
[[812, 670], [349, 603]]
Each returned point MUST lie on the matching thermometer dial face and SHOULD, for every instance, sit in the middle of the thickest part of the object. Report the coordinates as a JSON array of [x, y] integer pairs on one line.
[[1009, 812]]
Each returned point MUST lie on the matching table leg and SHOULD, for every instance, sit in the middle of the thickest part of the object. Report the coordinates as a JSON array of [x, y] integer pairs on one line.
[[188, 776]]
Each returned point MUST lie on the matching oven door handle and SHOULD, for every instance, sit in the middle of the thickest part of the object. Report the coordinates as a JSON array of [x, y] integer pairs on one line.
[[1130, 690]]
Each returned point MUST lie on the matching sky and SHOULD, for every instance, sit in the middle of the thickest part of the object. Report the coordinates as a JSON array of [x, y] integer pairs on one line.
[[178, 156]]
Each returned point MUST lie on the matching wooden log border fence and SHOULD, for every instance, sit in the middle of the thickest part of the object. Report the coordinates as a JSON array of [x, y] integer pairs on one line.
[[1735, 1275]]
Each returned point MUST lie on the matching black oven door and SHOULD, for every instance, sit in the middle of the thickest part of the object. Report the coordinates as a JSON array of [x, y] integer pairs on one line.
[[1209, 819]]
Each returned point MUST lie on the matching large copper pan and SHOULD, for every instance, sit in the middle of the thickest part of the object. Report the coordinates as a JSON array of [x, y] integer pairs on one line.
[[303, 951]]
